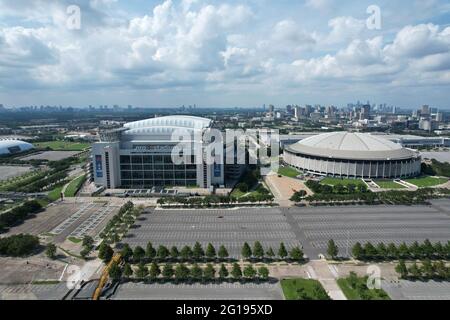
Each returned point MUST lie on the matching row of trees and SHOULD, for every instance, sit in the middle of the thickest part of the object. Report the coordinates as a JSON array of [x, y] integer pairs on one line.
[[215, 199], [18, 245], [437, 168], [195, 273], [393, 197], [198, 253], [257, 252], [120, 223], [425, 250], [19, 214], [426, 270], [350, 188]]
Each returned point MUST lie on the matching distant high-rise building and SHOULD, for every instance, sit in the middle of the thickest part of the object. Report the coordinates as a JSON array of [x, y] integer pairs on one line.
[[425, 110], [365, 112], [271, 108]]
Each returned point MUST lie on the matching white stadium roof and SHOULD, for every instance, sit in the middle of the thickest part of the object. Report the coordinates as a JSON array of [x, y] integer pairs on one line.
[[352, 146], [14, 146]]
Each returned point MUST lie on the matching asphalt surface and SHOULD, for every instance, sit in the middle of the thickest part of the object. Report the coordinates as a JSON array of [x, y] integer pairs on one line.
[[224, 291], [310, 227], [414, 290]]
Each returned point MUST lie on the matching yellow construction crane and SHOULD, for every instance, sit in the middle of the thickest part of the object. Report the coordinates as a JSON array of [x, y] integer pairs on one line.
[[105, 276]]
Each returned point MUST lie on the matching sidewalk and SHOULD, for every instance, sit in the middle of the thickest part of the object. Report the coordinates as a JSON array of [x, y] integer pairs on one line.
[[324, 273]]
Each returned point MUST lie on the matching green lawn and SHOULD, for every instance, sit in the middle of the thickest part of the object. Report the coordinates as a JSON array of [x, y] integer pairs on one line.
[[289, 172], [237, 193], [63, 145], [428, 181], [388, 184], [74, 185], [303, 289], [55, 194], [344, 182], [360, 291]]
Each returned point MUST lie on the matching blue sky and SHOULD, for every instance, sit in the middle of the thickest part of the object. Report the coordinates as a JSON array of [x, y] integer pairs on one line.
[[224, 53]]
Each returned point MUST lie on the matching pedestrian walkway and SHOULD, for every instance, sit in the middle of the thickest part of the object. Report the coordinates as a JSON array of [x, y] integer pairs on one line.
[[326, 275]]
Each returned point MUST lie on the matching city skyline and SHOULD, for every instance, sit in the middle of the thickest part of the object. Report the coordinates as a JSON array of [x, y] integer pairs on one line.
[[224, 54]]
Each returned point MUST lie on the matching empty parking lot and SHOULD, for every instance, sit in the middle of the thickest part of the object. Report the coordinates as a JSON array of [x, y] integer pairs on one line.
[[311, 227], [224, 291], [415, 290]]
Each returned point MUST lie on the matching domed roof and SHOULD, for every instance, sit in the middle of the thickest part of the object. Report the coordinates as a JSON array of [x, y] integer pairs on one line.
[[14, 146], [351, 146]]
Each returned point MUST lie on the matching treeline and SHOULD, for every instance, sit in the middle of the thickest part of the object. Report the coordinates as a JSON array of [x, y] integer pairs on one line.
[[436, 168], [393, 197], [17, 215], [194, 273], [426, 270], [215, 200], [18, 245], [425, 250], [120, 223], [340, 189], [198, 254]]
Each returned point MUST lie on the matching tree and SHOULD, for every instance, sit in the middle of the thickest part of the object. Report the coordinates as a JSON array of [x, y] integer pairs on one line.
[[258, 250], [428, 268], [186, 253], [141, 271], [270, 253], [319, 293], [51, 251], [402, 269], [174, 254], [392, 251], [126, 252], [246, 251], [167, 271], [427, 249], [403, 251], [181, 272], [236, 271], [88, 242], [263, 273], [138, 254], [209, 272], [114, 272], [162, 252], [155, 271], [296, 254], [370, 251], [105, 253], [332, 249], [84, 253], [381, 251], [223, 252], [415, 250], [223, 272], [210, 251], [150, 252], [249, 272], [198, 252], [196, 272], [441, 270], [415, 271], [127, 270], [282, 252], [358, 251]]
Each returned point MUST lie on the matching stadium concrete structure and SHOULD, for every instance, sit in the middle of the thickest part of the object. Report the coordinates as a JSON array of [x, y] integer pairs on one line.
[[138, 156], [8, 147], [353, 155]]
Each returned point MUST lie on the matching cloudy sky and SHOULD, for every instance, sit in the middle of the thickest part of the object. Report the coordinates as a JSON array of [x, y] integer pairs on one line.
[[224, 53]]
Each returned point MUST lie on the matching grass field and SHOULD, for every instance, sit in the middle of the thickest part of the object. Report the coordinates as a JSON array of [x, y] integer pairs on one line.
[[360, 290], [63, 145], [303, 289], [344, 182], [74, 185], [55, 194], [289, 172], [388, 184], [428, 181]]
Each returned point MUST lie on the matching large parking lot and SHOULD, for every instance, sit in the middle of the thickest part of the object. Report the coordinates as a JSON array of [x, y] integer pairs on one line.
[[7, 172], [224, 291], [51, 155], [410, 290], [311, 227]]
